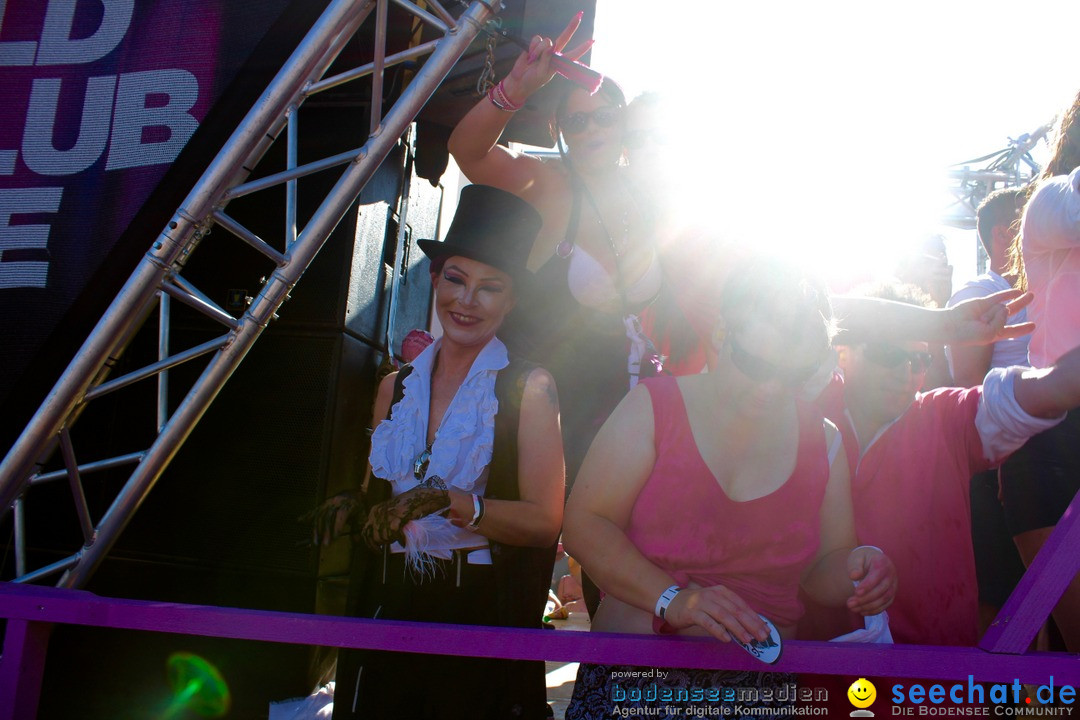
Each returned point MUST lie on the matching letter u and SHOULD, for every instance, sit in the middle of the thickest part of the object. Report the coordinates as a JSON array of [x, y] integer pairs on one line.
[[38, 151]]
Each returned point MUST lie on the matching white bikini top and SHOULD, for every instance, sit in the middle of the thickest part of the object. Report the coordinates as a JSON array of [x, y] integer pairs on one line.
[[592, 286]]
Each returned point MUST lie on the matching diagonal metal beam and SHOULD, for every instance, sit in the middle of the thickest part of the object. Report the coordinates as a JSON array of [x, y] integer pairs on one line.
[[247, 144], [276, 290], [157, 277]]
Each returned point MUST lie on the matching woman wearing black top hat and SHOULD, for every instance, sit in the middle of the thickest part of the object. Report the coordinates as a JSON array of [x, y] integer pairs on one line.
[[468, 454]]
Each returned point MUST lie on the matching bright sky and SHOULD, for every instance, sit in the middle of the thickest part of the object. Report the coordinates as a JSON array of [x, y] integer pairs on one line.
[[827, 127]]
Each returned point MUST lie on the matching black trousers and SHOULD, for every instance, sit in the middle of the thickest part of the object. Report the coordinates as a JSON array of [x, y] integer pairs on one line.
[[998, 566], [379, 684], [1039, 480]]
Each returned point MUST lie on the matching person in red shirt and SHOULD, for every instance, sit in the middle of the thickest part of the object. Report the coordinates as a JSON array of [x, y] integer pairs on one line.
[[912, 455]]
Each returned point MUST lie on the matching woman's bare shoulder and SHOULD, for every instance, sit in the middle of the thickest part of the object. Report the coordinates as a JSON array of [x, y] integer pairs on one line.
[[540, 386]]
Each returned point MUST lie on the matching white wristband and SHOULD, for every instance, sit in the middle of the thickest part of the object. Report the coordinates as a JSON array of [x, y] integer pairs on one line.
[[665, 599], [478, 512]]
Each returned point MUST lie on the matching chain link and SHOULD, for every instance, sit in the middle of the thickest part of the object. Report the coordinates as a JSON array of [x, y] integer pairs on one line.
[[486, 81]]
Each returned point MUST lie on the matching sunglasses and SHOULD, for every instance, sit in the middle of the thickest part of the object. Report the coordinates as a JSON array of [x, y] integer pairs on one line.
[[890, 356], [763, 371], [637, 139], [604, 117]]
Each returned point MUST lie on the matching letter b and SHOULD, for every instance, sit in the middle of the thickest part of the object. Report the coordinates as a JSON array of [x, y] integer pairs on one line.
[[128, 148]]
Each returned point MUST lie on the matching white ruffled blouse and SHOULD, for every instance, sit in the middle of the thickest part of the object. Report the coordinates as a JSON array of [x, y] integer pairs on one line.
[[463, 442]]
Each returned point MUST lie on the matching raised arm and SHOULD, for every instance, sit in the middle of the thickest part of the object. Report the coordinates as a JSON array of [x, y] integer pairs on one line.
[[474, 142], [969, 364], [975, 321], [535, 518], [1017, 403], [1050, 392]]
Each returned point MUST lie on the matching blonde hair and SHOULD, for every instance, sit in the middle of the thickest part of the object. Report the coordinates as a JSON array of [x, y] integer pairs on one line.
[[1064, 158]]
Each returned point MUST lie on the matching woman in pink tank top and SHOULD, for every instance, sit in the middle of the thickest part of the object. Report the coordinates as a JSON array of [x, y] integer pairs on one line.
[[706, 501]]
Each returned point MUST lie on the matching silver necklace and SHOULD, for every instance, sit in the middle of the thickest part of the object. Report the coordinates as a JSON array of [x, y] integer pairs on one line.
[[420, 465]]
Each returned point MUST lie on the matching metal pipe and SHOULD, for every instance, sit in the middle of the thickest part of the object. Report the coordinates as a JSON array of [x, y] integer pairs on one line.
[[978, 175], [249, 141], [191, 296], [164, 448], [441, 12], [44, 572], [89, 467], [400, 116], [292, 142], [20, 535], [264, 121], [424, 15], [337, 45], [278, 178], [164, 320], [249, 237], [39, 434], [375, 111], [399, 250], [273, 294], [178, 359], [365, 70], [81, 508]]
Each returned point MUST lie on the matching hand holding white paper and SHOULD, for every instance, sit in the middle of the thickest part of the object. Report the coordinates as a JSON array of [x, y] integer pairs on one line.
[[876, 629]]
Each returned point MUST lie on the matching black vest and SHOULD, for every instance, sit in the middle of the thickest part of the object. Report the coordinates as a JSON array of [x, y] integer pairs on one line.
[[522, 574]]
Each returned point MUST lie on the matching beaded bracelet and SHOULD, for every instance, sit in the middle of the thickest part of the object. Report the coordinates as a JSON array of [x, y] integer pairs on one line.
[[505, 98], [498, 97]]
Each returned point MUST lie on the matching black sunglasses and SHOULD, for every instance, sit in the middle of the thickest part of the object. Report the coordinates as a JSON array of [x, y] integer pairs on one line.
[[636, 139], [604, 117], [890, 356], [763, 371]]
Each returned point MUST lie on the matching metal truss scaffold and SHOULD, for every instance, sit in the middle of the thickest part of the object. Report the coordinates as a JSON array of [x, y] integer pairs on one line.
[[157, 280], [1012, 166]]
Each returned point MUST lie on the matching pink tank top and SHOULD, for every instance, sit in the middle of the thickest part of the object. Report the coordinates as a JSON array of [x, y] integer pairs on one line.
[[684, 522]]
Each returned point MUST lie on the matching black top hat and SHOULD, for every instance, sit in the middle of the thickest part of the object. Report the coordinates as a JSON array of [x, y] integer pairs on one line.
[[490, 226]]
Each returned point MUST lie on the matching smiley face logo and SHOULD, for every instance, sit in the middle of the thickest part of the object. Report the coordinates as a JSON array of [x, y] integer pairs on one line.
[[862, 693]]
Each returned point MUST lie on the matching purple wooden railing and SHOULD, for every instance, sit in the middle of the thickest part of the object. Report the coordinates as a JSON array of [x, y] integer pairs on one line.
[[1040, 588], [32, 610]]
